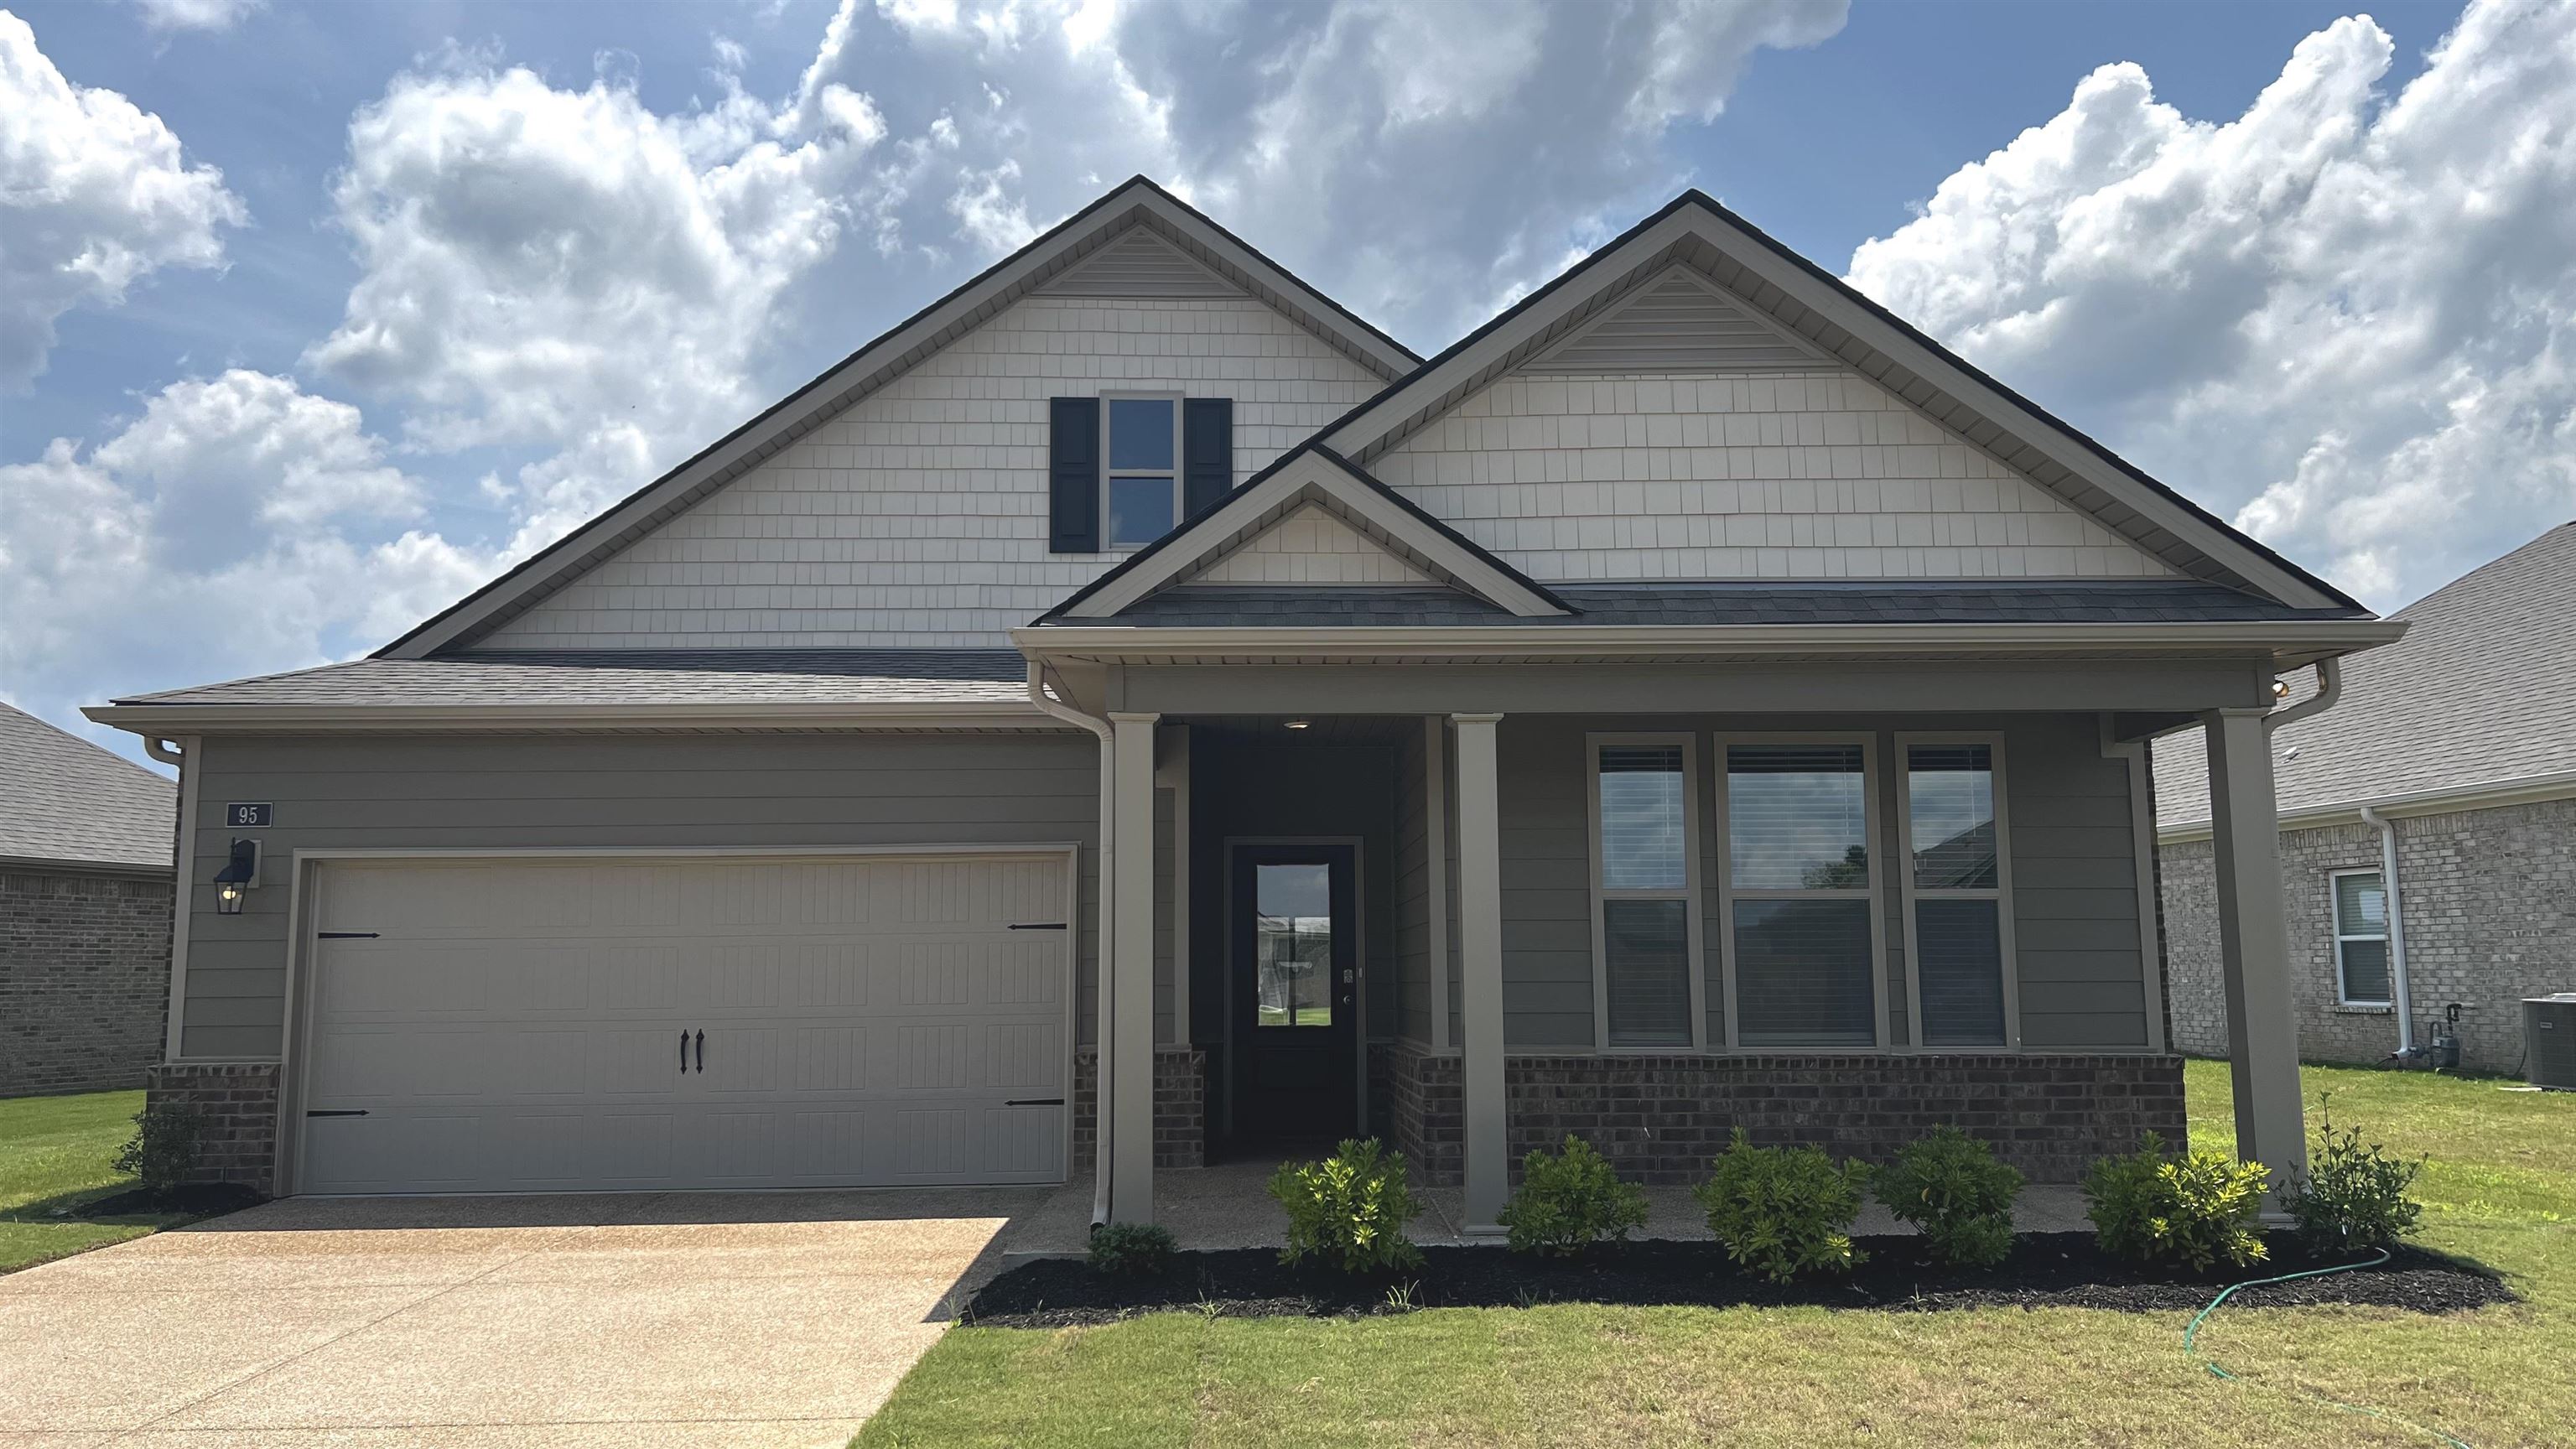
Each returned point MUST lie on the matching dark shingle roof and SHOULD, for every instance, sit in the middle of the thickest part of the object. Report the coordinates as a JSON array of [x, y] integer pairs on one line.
[[1875, 602], [641, 677], [2481, 691], [72, 802]]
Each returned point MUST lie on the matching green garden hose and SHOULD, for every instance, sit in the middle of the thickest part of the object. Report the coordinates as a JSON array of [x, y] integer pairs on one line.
[[2192, 1332]]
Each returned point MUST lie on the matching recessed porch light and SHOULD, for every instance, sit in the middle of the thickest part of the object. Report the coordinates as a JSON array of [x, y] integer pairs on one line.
[[1299, 724]]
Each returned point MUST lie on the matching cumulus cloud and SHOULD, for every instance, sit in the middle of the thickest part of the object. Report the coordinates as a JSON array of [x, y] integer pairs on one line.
[[94, 196], [165, 15], [235, 527], [2347, 318]]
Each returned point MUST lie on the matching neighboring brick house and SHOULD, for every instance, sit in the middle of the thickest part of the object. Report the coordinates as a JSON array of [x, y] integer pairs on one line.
[[2462, 739], [85, 883]]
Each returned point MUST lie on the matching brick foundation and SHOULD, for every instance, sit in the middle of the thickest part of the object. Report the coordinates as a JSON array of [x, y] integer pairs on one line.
[[1661, 1119], [1180, 1108], [84, 980], [238, 1101]]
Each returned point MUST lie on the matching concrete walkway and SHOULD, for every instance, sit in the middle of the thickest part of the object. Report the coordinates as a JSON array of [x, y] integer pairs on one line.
[[680, 1319]]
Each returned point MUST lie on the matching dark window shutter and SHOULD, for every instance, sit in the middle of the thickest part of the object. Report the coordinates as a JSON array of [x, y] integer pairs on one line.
[[1207, 453], [1073, 475]]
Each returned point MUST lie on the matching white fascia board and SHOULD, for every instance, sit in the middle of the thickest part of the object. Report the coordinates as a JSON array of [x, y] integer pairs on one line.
[[2491, 795], [1313, 476], [2285, 640], [160, 719]]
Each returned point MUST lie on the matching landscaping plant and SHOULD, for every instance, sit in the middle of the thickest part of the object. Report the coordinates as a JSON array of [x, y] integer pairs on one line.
[[2352, 1196], [1949, 1186], [164, 1147], [1350, 1209], [1140, 1248], [2199, 1208], [1570, 1200], [1782, 1211]]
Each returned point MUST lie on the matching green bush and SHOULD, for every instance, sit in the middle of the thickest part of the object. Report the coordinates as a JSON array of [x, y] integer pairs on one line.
[[1132, 1247], [2352, 1196], [2198, 1208], [1949, 1186], [1570, 1200], [164, 1147], [1781, 1211], [1350, 1209]]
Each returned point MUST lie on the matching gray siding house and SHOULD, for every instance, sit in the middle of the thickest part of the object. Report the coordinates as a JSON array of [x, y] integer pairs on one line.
[[85, 881], [2428, 830], [1135, 712]]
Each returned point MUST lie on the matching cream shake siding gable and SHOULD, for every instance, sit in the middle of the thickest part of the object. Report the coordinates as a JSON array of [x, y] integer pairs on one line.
[[917, 518], [1737, 476], [1311, 546]]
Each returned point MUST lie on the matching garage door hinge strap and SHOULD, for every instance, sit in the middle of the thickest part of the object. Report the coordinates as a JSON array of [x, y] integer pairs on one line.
[[346, 935], [1035, 1102], [337, 1112], [1046, 926]]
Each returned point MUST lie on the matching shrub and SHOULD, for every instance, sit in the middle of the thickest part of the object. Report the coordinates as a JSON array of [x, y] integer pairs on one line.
[[1781, 1211], [1950, 1187], [1132, 1247], [2352, 1196], [1350, 1209], [1570, 1200], [164, 1147], [2198, 1208]]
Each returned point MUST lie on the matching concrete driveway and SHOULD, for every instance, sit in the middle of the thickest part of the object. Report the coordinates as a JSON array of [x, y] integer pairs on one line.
[[677, 1319]]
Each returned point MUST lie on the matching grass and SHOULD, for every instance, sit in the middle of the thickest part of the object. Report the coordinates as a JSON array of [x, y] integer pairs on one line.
[[54, 1154], [2501, 1187]]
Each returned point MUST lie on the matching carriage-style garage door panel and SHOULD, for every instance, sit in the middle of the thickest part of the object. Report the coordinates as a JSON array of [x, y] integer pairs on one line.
[[534, 1024]]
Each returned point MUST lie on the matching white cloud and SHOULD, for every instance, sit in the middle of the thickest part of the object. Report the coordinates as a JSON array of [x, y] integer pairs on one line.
[[196, 14], [236, 527], [94, 196], [2347, 319]]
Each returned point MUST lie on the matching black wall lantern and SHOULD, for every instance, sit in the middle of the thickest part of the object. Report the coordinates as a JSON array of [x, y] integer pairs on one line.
[[234, 883]]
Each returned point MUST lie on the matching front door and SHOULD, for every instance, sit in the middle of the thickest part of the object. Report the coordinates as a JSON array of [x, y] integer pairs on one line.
[[1295, 963]]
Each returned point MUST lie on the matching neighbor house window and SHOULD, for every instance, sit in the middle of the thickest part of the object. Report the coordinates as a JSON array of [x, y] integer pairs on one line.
[[1645, 868], [1140, 459], [2361, 938], [1799, 891], [1957, 883]]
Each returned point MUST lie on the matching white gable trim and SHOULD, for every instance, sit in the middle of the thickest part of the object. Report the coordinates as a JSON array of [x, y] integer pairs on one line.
[[1821, 305], [1307, 478], [1138, 202]]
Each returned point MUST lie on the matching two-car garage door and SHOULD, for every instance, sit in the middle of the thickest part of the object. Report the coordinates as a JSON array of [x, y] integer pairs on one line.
[[544, 1023]]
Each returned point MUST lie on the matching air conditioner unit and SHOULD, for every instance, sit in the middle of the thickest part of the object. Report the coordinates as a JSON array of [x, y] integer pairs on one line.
[[2549, 1032]]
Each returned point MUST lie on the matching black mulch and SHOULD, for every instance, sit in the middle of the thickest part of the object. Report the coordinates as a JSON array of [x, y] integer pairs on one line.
[[197, 1200], [2046, 1270]]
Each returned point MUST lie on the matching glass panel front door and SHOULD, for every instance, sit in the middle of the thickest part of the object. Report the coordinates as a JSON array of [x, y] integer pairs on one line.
[[1292, 923]]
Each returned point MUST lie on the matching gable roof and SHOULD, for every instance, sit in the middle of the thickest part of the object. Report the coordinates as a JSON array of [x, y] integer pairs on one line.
[[2478, 699], [1771, 282], [72, 803], [1100, 235]]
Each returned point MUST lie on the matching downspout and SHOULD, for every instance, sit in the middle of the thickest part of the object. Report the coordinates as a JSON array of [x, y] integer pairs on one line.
[[1100, 1118], [2399, 987]]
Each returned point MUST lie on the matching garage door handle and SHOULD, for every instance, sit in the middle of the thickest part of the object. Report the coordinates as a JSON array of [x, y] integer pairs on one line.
[[1034, 1102], [702, 1053], [684, 1051]]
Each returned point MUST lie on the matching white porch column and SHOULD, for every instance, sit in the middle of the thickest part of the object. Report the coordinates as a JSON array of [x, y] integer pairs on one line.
[[1480, 969], [2254, 943], [1127, 978]]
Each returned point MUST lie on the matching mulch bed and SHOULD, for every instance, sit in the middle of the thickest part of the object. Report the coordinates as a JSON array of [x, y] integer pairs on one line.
[[2046, 1270], [196, 1200]]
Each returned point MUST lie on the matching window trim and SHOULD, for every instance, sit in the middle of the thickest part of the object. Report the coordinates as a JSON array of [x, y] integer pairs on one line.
[[2335, 933], [1728, 894], [1109, 479], [1691, 892], [2001, 893]]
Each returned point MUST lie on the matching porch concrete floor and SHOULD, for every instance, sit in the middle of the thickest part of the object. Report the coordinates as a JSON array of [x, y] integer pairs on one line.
[[1227, 1206]]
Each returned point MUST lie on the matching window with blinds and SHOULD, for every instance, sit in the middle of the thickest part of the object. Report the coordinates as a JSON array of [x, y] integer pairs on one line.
[[1956, 912], [2361, 938], [1642, 886], [1798, 866]]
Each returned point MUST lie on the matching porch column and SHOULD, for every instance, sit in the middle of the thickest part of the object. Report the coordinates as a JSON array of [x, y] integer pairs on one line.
[[1127, 978], [2254, 943], [1480, 971]]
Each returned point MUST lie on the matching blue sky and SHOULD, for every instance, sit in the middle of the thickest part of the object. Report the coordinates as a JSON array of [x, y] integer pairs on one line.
[[318, 315]]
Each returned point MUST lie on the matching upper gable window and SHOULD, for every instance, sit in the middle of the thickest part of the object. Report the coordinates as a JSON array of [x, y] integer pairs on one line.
[[1140, 458]]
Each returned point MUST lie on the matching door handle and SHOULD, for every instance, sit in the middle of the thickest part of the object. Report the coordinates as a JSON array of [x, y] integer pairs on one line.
[[684, 1051], [702, 1052]]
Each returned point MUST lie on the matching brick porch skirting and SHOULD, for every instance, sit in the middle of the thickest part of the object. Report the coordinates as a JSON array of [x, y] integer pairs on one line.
[[238, 1101], [1661, 1119], [1180, 1107]]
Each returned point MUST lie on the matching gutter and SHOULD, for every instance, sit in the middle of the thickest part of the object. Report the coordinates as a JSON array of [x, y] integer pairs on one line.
[[2525, 790], [2399, 988], [160, 720], [1102, 1157]]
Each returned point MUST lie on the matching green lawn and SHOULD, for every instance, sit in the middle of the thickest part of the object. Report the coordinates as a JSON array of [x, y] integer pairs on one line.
[[54, 1153], [2501, 1188]]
